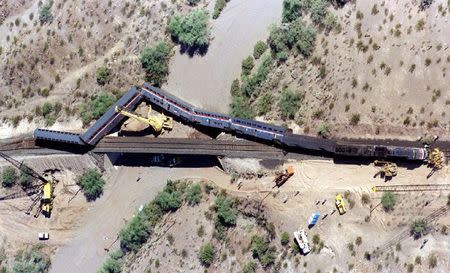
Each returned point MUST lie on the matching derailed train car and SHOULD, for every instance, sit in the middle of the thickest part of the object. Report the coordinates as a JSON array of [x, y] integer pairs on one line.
[[242, 127]]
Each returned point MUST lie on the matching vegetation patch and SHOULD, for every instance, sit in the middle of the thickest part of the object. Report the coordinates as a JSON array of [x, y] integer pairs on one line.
[[192, 30], [96, 106], [289, 102], [9, 176], [92, 184], [45, 12], [388, 200], [102, 75], [31, 260], [263, 251], [155, 61], [218, 7], [206, 254]]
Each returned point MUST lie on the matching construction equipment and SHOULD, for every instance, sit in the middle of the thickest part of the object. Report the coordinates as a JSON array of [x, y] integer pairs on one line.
[[158, 122], [436, 159], [281, 178], [340, 204], [42, 192], [313, 219], [413, 187], [302, 240], [388, 169]]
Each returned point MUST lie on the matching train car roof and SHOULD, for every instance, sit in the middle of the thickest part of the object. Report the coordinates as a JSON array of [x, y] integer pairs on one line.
[[258, 123]]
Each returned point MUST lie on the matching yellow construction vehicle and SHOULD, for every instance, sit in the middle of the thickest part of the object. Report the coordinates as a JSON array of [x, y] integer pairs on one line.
[[158, 122], [340, 204], [436, 159], [388, 169], [47, 198]]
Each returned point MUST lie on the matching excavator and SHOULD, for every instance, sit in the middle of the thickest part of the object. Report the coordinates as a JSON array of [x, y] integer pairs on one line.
[[158, 122], [436, 160], [281, 178], [41, 192], [388, 169]]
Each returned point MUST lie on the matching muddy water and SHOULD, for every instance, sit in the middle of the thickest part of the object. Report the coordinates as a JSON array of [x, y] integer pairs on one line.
[[205, 80]]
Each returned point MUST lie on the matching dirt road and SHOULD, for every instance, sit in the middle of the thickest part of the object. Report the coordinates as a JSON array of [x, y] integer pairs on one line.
[[123, 196], [205, 80]]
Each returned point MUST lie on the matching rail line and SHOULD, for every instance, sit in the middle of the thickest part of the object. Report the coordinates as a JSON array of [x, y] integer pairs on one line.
[[412, 187], [406, 233]]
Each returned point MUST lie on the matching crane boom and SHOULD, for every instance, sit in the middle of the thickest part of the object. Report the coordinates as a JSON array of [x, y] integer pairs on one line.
[[22, 167]]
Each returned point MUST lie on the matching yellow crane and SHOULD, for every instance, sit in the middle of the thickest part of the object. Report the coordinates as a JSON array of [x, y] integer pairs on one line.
[[436, 159], [158, 122], [387, 170]]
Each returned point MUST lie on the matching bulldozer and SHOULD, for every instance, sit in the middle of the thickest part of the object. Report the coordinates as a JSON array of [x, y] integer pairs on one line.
[[158, 122], [387, 170], [436, 159], [281, 178]]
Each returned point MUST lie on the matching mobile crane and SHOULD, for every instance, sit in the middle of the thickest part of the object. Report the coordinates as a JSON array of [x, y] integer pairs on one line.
[[158, 122]]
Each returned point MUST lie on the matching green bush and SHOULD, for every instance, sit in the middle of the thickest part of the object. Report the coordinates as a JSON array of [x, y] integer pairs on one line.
[[218, 7], [235, 89], [45, 12], [249, 86], [155, 61], [92, 184], [247, 65], [151, 214], [225, 212], [168, 201], [284, 238], [102, 75], [355, 118], [291, 10], [240, 107], [191, 30], [264, 103], [9, 176], [318, 10], [262, 250], [259, 49], [194, 194], [388, 200], [249, 267], [206, 254], [329, 21], [134, 234], [96, 107], [113, 263], [324, 130], [31, 261], [419, 227], [289, 102], [25, 179], [297, 34]]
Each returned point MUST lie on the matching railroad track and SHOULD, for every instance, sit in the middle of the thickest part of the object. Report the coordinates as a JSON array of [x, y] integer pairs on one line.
[[407, 232], [413, 187]]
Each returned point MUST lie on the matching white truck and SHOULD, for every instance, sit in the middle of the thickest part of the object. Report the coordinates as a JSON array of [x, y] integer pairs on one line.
[[302, 239]]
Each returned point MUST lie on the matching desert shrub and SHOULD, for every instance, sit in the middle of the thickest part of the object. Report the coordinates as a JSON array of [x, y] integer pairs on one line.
[[96, 106], [318, 11], [155, 61], [9, 176], [113, 263], [291, 10], [354, 119], [45, 12], [330, 21], [133, 235], [249, 267], [306, 38], [25, 179], [289, 102], [31, 261], [191, 30], [418, 228], [323, 130], [240, 107], [358, 240], [206, 254], [432, 261], [284, 238], [388, 200], [365, 198], [91, 182], [262, 250], [218, 7], [168, 201], [247, 65], [151, 214], [297, 34], [193, 2], [278, 39], [259, 49], [102, 75], [194, 194], [225, 213], [235, 88], [252, 82], [264, 103]]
